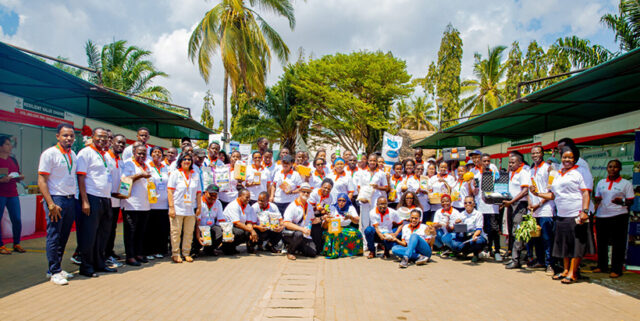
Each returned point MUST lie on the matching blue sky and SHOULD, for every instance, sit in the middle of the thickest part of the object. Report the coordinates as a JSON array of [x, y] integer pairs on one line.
[[411, 29]]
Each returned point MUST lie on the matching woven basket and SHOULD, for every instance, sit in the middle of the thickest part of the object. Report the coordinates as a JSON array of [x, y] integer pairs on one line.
[[435, 198], [537, 232]]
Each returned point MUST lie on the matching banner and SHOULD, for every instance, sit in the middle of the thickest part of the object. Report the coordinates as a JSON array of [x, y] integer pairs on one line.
[[391, 148], [245, 151]]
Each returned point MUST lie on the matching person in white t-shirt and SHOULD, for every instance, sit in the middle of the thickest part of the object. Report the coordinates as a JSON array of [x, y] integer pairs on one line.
[[272, 233], [155, 245], [342, 181], [269, 165], [441, 183], [297, 220], [286, 184], [443, 224], [211, 214], [114, 160], [573, 237], [183, 195], [543, 211], [519, 181], [230, 193], [614, 195], [384, 228], [244, 218], [318, 173], [396, 182], [258, 178], [94, 221], [142, 138], [472, 240], [321, 200], [372, 181], [58, 185], [491, 212], [416, 243]]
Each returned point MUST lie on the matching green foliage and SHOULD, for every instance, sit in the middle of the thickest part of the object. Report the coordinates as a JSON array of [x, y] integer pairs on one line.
[[71, 70], [514, 72], [447, 83], [486, 91], [559, 63], [347, 98], [526, 228], [417, 114], [206, 118], [535, 67]]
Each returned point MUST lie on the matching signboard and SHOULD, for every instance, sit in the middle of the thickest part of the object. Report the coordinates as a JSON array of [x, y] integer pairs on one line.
[[233, 146], [16, 110], [391, 147]]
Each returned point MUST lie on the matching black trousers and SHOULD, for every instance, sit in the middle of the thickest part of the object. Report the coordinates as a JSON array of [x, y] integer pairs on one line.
[[156, 239], [316, 235], [110, 248], [93, 233], [239, 236], [271, 237], [514, 218], [296, 242], [612, 230], [135, 223], [216, 240], [282, 207], [492, 227]]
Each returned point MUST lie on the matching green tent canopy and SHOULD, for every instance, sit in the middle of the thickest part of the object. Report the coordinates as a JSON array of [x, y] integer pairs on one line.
[[609, 89], [25, 76]]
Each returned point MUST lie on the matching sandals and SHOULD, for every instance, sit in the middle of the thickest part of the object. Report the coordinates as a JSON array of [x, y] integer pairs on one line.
[[291, 257], [614, 275], [558, 277], [176, 259], [568, 280], [19, 249], [4, 250], [371, 255], [188, 259]]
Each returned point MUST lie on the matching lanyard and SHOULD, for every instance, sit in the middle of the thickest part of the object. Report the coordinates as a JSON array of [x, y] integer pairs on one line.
[[157, 170], [395, 186], [209, 208], [66, 155], [187, 182], [143, 168], [115, 158], [104, 162]]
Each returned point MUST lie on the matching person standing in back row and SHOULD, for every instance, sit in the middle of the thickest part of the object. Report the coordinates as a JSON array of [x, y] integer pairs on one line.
[[519, 182], [143, 137], [58, 185], [9, 193], [114, 160]]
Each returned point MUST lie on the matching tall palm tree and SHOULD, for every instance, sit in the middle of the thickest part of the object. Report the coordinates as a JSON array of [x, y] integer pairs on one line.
[[626, 27], [125, 68], [421, 114], [245, 41], [400, 114], [487, 90]]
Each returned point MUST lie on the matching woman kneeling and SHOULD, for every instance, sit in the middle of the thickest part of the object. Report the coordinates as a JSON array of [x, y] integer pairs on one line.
[[349, 241], [417, 240]]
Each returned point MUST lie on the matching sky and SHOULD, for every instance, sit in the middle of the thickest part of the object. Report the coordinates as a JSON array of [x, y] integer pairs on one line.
[[410, 29]]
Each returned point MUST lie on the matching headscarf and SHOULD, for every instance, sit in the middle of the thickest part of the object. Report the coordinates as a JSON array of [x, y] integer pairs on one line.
[[344, 210], [339, 159]]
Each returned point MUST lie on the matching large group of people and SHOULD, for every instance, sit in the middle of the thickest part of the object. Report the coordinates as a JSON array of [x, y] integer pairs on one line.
[[194, 202]]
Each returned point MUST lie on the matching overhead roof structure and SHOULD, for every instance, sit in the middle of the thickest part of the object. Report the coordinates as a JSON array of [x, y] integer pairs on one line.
[[609, 89], [25, 76]]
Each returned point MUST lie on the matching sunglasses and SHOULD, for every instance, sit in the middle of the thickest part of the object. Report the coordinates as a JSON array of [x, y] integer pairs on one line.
[[305, 192]]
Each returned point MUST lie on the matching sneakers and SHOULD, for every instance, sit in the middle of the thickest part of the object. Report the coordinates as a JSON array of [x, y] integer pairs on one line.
[[475, 259], [58, 279], [112, 262], [498, 257], [64, 274], [4, 250], [159, 256], [445, 253], [151, 257], [422, 260], [549, 270], [75, 259], [404, 263]]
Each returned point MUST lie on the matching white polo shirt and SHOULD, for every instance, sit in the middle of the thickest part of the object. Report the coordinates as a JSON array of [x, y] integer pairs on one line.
[[444, 218], [385, 221], [139, 199], [208, 162], [231, 193], [93, 164], [567, 189], [61, 168], [343, 220], [473, 220], [540, 174], [237, 214], [185, 191], [271, 209], [293, 179], [265, 180], [420, 230], [127, 153], [518, 179], [609, 190], [316, 199], [210, 215], [462, 188], [160, 177], [299, 214], [115, 164], [341, 183], [483, 207], [396, 184], [378, 178]]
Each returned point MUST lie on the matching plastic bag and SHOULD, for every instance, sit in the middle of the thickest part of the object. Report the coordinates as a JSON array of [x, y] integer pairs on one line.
[[205, 231], [222, 178], [227, 232], [365, 193]]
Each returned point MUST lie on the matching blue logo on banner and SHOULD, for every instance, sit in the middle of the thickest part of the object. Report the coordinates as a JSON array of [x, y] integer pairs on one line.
[[392, 154], [392, 144]]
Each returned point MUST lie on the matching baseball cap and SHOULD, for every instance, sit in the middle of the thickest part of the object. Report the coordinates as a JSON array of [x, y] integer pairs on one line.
[[475, 152]]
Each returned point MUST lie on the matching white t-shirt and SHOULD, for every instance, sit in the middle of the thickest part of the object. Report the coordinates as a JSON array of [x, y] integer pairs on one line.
[[384, 222], [212, 163], [343, 220], [396, 184], [444, 218], [271, 169], [265, 179], [160, 177], [540, 174], [585, 170], [341, 183], [185, 191], [299, 214], [378, 178], [413, 184], [439, 187], [61, 168], [420, 230], [235, 213], [462, 188], [115, 165], [231, 193], [210, 215], [315, 180], [271, 209], [127, 153], [609, 190], [567, 189], [293, 180], [93, 164], [483, 207], [317, 200], [473, 220], [517, 180], [139, 199]]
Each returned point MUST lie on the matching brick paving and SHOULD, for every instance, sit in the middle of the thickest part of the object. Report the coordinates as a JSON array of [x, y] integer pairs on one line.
[[269, 287]]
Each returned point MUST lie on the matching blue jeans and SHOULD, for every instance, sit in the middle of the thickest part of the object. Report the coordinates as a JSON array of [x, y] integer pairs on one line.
[[372, 237], [58, 232], [416, 246], [459, 244], [544, 243], [13, 206], [438, 241], [447, 238]]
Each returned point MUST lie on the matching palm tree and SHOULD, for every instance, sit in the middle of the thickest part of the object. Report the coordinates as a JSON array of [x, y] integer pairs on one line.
[[400, 114], [421, 114], [245, 41], [125, 68], [626, 27], [486, 90]]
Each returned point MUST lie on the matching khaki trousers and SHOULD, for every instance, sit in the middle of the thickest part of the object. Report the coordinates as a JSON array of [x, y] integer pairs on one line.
[[182, 225]]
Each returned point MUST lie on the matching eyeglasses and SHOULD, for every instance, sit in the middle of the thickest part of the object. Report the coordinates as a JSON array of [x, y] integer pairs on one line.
[[409, 198], [305, 192], [468, 202]]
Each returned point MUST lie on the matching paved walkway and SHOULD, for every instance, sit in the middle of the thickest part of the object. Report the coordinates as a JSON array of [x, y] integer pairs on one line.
[[269, 287]]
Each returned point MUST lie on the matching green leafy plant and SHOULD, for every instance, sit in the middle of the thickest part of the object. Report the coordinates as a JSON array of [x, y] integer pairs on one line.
[[527, 229]]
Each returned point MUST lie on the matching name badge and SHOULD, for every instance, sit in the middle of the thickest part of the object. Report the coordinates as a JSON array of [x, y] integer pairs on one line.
[[187, 198]]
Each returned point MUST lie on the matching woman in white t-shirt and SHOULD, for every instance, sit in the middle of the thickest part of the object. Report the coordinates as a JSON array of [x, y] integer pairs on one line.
[[286, 184], [230, 192], [157, 232], [416, 242], [258, 178], [573, 237], [614, 195], [184, 195], [414, 182]]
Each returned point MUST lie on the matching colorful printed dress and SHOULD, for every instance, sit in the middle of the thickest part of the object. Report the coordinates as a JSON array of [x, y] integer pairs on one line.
[[349, 241]]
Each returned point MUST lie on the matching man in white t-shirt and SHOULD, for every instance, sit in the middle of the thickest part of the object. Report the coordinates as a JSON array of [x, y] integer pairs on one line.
[[210, 218], [94, 222], [297, 220], [519, 181], [382, 228], [142, 138], [241, 214], [491, 213], [114, 161], [267, 213], [543, 211], [58, 185]]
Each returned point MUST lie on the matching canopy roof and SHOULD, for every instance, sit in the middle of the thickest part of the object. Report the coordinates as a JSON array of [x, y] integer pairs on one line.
[[609, 89], [25, 76]]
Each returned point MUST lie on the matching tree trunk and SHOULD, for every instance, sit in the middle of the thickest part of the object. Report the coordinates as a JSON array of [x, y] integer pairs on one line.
[[225, 135]]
